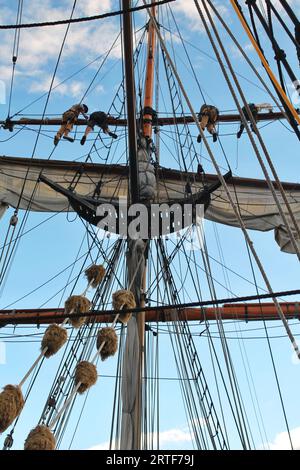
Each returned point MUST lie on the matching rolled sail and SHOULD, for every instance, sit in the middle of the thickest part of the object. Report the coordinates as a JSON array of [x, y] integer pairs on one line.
[[256, 203]]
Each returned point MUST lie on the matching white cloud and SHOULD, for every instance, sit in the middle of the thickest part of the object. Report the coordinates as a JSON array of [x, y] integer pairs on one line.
[[103, 446], [73, 88], [189, 11], [167, 439], [282, 441], [94, 7], [39, 47]]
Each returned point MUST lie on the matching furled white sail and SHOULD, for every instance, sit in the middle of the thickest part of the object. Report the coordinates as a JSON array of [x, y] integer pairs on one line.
[[255, 201]]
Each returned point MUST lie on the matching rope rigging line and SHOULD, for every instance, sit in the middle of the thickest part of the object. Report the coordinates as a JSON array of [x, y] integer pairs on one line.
[[283, 96], [79, 174], [187, 55], [96, 356], [272, 356], [182, 333], [15, 53], [207, 327], [201, 387], [225, 186], [84, 19], [280, 55], [45, 107], [252, 140], [241, 50], [213, 58], [60, 429], [19, 113], [238, 400], [74, 354], [11, 250], [9, 255], [241, 344], [26, 376]]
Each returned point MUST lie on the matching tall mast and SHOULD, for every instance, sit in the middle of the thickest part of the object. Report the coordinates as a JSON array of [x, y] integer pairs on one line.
[[139, 156], [130, 102], [147, 134], [149, 82]]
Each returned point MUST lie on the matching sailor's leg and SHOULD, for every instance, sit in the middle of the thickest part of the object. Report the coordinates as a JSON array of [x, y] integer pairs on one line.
[[242, 127], [106, 130], [86, 133], [252, 127], [59, 133], [68, 128], [203, 124], [212, 130]]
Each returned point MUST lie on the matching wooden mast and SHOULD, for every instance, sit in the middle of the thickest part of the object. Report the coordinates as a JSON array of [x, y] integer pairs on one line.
[[149, 82], [134, 190], [147, 134]]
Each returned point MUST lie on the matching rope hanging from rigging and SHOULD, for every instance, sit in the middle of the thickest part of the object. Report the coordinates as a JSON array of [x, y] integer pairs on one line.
[[236, 8], [11, 399], [84, 19]]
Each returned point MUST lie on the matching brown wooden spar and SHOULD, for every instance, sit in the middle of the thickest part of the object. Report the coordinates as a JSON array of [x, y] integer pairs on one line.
[[149, 81], [160, 121], [242, 312], [141, 317]]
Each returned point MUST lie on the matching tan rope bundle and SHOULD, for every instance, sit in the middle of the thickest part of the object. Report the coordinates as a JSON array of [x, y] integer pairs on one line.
[[86, 375], [54, 338], [77, 304], [123, 299], [109, 337], [40, 438], [11, 404], [95, 274]]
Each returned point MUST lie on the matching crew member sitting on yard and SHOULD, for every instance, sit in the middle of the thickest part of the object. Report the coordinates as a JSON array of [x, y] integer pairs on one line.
[[69, 118], [208, 118], [98, 118], [254, 108]]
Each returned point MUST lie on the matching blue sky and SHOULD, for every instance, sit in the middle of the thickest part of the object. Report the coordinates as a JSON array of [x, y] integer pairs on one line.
[[54, 245]]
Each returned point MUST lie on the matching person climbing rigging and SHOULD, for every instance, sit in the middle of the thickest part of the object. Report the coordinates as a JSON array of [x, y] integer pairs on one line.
[[208, 118], [69, 118], [254, 108], [97, 118]]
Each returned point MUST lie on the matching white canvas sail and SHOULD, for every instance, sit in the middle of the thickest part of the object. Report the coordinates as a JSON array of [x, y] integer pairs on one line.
[[253, 197]]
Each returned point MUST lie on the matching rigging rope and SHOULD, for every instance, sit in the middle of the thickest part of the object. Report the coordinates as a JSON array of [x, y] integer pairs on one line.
[[15, 53], [265, 63], [84, 19], [224, 184], [266, 153]]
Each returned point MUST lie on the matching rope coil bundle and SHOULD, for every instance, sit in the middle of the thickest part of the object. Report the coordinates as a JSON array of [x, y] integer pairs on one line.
[[109, 337], [40, 438], [54, 338], [11, 404], [95, 274], [123, 299], [77, 304], [86, 375]]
